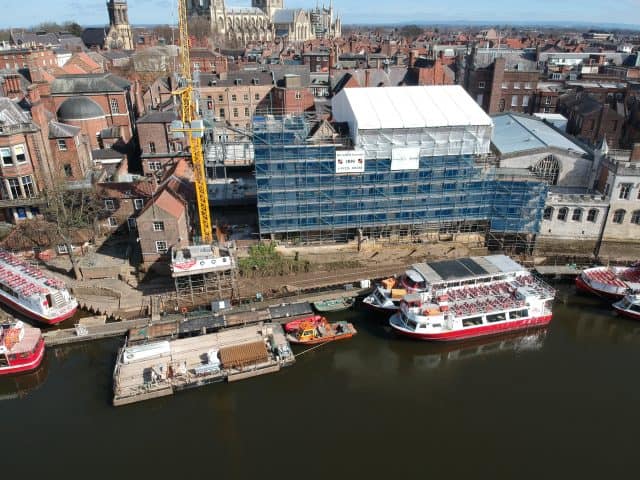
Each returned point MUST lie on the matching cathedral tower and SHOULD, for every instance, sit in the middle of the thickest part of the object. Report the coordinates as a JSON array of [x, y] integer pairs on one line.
[[268, 6], [119, 36]]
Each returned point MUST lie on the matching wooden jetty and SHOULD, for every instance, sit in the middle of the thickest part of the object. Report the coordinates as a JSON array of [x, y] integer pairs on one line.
[[161, 368], [206, 322]]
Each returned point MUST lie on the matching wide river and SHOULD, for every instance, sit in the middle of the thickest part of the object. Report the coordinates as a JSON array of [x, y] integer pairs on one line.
[[562, 402]]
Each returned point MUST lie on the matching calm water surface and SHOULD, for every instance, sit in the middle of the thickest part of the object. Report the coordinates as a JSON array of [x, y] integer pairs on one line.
[[562, 402]]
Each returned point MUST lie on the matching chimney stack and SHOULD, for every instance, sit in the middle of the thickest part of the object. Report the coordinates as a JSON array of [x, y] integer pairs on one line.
[[412, 57], [635, 153]]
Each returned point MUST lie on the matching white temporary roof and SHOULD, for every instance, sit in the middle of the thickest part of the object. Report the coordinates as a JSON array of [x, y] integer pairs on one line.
[[408, 107]]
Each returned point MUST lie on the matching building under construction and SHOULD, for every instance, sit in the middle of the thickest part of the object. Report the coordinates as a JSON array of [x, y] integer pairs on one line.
[[396, 162]]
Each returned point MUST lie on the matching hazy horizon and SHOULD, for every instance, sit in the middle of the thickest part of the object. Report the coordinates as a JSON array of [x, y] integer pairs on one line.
[[458, 12]]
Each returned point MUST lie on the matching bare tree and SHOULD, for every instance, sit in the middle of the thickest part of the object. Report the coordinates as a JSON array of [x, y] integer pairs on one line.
[[69, 210], [199, 27]]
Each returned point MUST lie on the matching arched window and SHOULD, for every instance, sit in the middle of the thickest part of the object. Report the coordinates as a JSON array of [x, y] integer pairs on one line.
[[577, 215], [592, 216], [563, 213], [548, 169], [635, 217], [548, 213], [618, 216]]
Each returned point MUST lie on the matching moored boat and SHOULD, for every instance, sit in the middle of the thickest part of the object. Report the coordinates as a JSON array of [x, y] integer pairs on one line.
[[472, 311], [609, 282], [629, 306], [439, 276], [309, 333], [334, 304], [29, 291], [294, 325], [21, 347]]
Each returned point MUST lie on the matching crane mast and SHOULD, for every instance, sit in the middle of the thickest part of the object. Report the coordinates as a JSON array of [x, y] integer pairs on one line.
[[189, 114]]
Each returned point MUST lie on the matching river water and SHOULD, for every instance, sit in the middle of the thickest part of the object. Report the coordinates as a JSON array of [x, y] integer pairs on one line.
[[562, 402]]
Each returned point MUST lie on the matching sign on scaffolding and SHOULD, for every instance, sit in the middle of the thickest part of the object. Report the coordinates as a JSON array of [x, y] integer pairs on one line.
[[350, 161], [405, 158]]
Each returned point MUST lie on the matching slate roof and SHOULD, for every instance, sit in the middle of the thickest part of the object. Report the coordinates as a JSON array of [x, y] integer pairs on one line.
[[247, 76], [279, 72], [79, 108], [94, 37], [514, 59], [89, 83], [285, 15], [12, 114], [158, 117], [61, 130]]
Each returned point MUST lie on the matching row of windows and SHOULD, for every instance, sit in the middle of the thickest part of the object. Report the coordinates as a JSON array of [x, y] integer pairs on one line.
[[592, 215], [625, 191], [13, 155], [18, 187], [110, 204], [563, 214], [234, 98]]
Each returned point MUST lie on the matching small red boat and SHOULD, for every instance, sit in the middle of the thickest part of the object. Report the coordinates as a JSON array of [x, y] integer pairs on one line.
[[295, 324], [21, 348]]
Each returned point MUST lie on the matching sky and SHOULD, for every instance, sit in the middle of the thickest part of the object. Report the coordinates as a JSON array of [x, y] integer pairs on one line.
[[25, 13]]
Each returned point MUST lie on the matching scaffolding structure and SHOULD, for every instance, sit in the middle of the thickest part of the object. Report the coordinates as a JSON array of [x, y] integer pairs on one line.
[[203, 274], [303, 198]]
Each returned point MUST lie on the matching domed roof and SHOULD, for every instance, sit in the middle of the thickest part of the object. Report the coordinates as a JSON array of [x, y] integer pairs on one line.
[[79, 108]]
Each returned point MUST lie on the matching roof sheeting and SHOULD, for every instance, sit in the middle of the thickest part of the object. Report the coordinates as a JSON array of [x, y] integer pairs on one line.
[[518, 133], [410, 107]]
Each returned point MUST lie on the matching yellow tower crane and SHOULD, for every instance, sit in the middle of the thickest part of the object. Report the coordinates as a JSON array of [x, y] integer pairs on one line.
[[193, 126]]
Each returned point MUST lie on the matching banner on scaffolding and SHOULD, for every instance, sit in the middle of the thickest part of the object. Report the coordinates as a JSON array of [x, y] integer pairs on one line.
[[405, 158], [350, 161]]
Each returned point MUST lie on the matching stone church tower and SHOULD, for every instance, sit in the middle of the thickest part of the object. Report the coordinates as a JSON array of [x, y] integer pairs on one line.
[[268, 6], [119, 36]]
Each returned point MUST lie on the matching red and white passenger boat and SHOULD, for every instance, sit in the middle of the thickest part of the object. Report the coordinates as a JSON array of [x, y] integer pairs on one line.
[[28, 290], [609, 282], [21, 348], [629, 306], [476, 307], [441, 275]]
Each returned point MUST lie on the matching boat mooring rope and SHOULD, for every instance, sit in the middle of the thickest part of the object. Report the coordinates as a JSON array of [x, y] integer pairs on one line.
[[312, 348]]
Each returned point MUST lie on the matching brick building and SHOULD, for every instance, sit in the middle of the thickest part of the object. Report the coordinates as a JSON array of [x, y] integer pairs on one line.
[[206, 61], [426, 71], [28, 58], [292, 94], [234, 98], [71, 151], [545, 98], [123, 202], [501, 80], [158, 94], [318, 61], [109, 93], [85, 114], [165, 222], [21, 153], [590, 120], [158, 147]]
